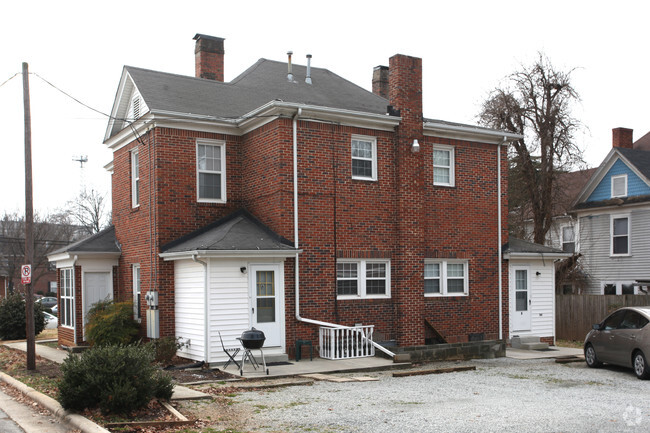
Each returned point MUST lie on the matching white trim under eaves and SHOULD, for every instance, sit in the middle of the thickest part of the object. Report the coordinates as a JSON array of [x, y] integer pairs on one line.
[[182, 255], [462, 132], [516, 255]]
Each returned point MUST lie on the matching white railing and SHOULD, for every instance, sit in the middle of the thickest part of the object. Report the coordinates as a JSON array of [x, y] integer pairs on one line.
[[346, 342]]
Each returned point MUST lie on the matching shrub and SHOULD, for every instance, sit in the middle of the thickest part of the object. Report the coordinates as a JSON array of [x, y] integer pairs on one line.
[[165, 348], [117, 379], [111, 323], [13, 323]]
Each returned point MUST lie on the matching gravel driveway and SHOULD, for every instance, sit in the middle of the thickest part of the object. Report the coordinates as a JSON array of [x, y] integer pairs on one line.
[[502, 395]]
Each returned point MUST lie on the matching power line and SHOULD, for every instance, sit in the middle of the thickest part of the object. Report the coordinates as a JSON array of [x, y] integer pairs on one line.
[[9, 79]]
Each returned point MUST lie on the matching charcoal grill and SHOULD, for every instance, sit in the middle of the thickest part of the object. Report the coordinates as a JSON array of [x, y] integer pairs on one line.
[[252, 339]]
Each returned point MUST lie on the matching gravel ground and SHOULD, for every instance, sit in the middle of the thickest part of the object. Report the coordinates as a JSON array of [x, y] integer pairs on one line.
[[502, 395]]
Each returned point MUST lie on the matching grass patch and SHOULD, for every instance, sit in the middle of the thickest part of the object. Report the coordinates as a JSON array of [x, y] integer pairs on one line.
[[570, 343]]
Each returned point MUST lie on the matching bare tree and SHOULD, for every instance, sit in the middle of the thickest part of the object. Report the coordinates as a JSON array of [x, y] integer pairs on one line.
[[89, 211], [50, 233], [536, 102]]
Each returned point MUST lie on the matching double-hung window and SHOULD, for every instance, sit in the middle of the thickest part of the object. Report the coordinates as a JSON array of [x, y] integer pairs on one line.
[[620, 230], [135, 178], [66, 314], [364, 158], [446, 278], [363, 279], [619, 185], [211, 170], [443, 165], [137, 299], [568, 239]]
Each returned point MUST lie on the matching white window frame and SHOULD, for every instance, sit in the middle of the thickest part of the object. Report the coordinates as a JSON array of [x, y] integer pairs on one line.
[[361, 279], [67, 298], [135, 178], [373, 159], [611, 235], [619, 286], [444, 277], [450, 167], [222, 153], [563, 241], [614, 179], [137, 291]]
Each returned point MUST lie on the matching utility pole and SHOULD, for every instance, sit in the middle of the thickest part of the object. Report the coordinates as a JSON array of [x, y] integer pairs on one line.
[[29, 224]]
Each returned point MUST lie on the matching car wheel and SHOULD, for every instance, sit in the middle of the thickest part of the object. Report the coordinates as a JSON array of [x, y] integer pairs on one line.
[[640, 365], [591, 358]]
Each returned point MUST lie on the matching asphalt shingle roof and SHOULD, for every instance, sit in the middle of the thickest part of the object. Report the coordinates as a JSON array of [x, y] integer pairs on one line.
[[260, 84], [640, 159], [101, 242], [516, 245], [238, 231]]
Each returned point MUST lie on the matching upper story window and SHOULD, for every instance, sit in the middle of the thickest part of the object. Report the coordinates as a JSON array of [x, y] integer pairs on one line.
[[135, 178], [620, 230], [619, 185], [568, 239], [443, 165], [362, 279], [446, 278], [364, 158], [211, 170]]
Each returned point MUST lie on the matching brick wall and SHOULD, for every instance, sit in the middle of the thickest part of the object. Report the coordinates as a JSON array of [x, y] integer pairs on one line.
[[401, 216]]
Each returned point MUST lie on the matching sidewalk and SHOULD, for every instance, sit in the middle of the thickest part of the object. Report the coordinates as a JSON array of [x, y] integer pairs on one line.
[[16, 417]]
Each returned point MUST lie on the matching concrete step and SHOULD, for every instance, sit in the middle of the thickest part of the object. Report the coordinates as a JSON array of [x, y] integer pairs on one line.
[[534, 346], [530, 342]]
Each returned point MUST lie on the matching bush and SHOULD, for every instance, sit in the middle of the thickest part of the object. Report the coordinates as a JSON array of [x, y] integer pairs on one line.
[[13, 323], [111, 323], [117, 379], [165, 348]]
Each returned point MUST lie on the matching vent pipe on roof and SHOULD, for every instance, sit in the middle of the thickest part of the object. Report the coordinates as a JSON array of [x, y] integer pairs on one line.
[[290, 75], [308, 79]]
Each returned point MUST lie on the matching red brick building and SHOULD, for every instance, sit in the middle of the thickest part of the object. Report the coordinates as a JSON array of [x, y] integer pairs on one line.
[[291, 199]]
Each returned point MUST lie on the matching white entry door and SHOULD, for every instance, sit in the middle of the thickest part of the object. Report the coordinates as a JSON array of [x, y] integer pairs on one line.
[[96, 287], [266, 302], [521, 314]]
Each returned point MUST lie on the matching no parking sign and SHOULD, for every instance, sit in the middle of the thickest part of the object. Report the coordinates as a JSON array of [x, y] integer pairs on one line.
[[26, 274]]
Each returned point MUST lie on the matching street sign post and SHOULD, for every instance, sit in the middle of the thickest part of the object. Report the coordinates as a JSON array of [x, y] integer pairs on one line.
[[26, 274]]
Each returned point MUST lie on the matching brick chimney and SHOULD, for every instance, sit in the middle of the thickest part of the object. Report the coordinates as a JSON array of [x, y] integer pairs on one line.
[[622, 137], [380, 81], [208, 57], [405, 91]]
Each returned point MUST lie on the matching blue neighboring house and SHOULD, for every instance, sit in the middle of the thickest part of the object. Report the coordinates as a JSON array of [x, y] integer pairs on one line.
[[613, 220]]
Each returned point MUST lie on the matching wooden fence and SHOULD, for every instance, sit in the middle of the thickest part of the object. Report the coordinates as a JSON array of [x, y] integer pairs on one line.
[[575, 314]]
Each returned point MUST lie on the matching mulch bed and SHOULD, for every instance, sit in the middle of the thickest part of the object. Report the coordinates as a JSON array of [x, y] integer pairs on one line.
[[47, 374]]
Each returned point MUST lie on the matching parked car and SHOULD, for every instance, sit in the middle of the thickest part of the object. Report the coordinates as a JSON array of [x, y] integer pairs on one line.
[[47, 301], [623, 338], [51, 321], [55, 310]]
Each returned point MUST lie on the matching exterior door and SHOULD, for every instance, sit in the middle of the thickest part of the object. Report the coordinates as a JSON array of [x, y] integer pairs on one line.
[[96, 287], [266, 302], [521, 314]]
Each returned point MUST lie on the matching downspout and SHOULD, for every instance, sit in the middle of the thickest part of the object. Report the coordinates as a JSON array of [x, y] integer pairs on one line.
[[500, 241], [205, 307], [295, 237], [74, 279]]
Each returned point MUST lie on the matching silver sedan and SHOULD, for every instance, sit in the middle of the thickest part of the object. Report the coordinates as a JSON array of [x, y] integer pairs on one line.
[[623, 338]]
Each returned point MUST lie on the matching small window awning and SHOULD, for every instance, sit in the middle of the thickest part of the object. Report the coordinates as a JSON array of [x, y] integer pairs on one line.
[[237, 235]]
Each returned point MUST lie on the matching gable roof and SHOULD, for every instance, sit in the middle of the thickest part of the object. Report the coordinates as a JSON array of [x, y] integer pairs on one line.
[[642, 143], [264, 82], [239, 232], [638, 161]]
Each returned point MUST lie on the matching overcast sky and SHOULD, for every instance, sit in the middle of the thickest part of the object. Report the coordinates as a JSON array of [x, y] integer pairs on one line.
[[467, 49]]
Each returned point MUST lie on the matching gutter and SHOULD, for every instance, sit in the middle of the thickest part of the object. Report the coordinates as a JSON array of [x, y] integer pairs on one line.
[[295, 235], [205, 307]]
